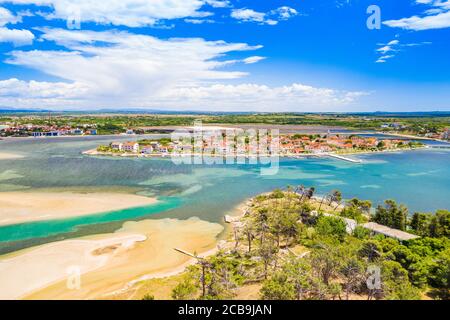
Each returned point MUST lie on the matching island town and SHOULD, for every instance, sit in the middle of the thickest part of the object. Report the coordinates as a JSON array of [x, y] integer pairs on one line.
[[294, 145]]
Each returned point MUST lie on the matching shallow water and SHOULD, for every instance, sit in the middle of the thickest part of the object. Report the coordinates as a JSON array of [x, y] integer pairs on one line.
[[420, 179]]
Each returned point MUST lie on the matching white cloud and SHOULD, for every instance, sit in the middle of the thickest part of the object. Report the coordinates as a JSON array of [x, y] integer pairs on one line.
[[199, 21], [219, 3], [7, 17], [271, 18], [393, 42], [438, 21], [248, 15], [436, 17], [284, 12], [383, 59], [248, 97], [42, 90], [203, 14], [131, 13], [249, 60], [389, 50], [255, 97], [390, 46], [128, 66], [253, 59], [118, 69], [122, 70], [35, 94], [14, 36]]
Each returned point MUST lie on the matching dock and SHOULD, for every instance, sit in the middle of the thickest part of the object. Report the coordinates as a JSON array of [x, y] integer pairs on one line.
[[389, 232], [374, 228], [333, 155]]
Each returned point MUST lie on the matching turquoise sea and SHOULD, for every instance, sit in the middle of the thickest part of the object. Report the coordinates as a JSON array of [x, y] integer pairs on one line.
[[420, 179]]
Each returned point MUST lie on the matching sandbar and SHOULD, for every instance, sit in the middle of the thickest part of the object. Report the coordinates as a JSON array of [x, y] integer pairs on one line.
[[28, 271], [110, 263], [22, 207], [10, 156]]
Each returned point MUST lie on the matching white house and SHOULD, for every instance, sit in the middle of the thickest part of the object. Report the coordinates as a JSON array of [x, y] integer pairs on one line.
[[163, 149], [146, 149], [117, 146], [446, 135], [131, 147]]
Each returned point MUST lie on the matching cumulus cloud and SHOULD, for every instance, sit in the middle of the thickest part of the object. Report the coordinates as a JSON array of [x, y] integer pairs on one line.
[[436, 16], [128, 66], [255, 97], [7, 17], [122, 70], [17, 37], [224, 97], [219, 3], [41, 94], [131, 13], [270, 18], [248, 15], [15, 88], [284, 12]]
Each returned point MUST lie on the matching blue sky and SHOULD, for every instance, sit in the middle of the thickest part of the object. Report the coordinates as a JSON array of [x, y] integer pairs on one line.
[[224, 55]]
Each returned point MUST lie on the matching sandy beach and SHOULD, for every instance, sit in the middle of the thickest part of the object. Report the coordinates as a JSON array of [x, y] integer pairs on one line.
[[25, 272], [21, 207], [109, 263], [9, 156]]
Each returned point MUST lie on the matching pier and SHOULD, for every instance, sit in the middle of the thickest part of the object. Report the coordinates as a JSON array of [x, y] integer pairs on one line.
[[332, 155]]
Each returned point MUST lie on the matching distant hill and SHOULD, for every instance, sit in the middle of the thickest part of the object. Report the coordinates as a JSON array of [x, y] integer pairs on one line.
[[415, 114], [13, 110], [405, 114]]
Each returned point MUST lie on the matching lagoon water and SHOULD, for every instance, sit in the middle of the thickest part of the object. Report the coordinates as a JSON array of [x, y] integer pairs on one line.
[[420, 179]]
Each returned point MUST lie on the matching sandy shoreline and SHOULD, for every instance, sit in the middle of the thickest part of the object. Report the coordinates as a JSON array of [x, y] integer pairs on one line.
[[355, 153], [409, 136], [10, 156], [21, 273], [113, 266], [109, 263], [21, 207]]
